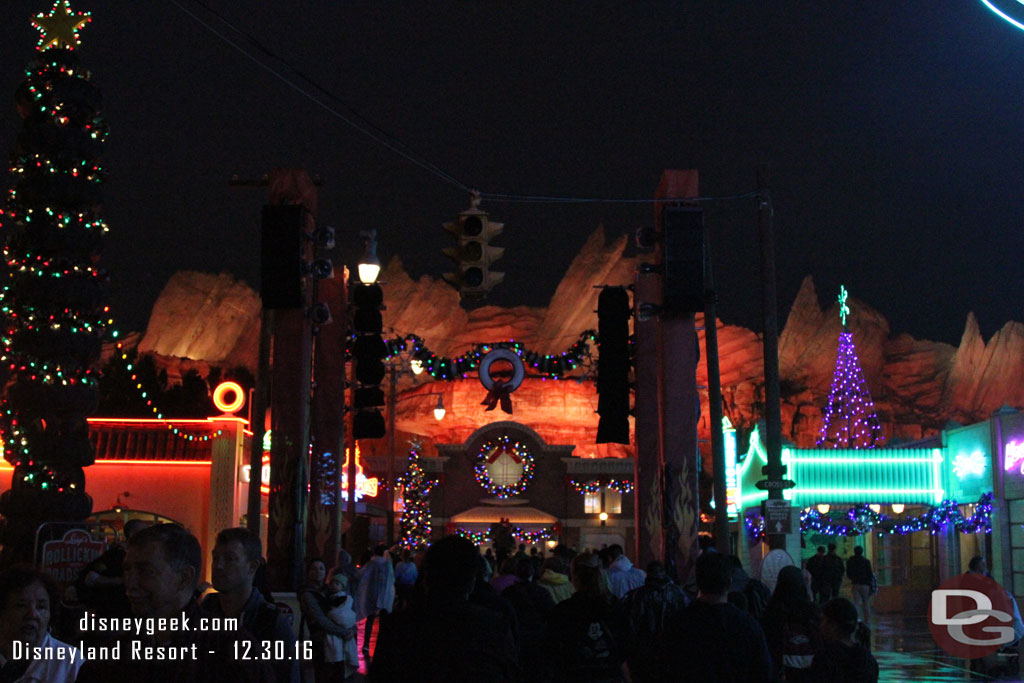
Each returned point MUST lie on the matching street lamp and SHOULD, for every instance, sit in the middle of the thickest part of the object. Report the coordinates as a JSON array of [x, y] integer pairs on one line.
[[369, 264], [439, 409]]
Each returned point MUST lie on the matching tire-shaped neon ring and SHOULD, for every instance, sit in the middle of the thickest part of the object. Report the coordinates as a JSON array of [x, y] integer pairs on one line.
[[518, 369], [223, 388]]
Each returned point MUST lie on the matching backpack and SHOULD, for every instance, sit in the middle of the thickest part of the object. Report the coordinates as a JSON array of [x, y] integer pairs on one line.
[[757, 595]]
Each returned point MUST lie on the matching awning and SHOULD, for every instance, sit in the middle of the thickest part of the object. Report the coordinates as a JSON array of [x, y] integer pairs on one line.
[[488, 514]]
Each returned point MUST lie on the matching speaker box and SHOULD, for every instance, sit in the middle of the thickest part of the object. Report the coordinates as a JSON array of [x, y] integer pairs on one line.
[[281, 256], [683, 235]]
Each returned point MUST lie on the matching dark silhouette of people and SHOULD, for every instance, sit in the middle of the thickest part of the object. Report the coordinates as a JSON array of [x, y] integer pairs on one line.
[[648, 609], [833, 570], [792, 626], [713, 640], [532, 605], [587, 634], [844, 656], [444, 637], [100, 584], [862, 578], [817, 571]]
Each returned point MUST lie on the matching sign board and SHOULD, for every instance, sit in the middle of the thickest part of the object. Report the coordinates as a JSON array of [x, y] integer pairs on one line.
[[776, 517], [769, 484], [63, 559]]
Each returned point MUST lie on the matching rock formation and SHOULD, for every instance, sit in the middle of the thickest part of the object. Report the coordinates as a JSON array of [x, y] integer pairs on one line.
[[918, 385]]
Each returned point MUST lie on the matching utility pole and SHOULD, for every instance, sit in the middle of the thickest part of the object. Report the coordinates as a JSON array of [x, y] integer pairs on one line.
[[389, 490], [774, 470], [722, 540]]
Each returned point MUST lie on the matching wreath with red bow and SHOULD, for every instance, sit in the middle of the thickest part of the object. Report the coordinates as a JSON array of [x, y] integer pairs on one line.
[[493, 449]]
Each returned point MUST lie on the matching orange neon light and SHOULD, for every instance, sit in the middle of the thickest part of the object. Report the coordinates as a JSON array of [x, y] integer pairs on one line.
[[228, 387], [154, 462], [364, 486]]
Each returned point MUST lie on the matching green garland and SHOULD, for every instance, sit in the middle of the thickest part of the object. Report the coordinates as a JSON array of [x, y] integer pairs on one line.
[[553, 366]]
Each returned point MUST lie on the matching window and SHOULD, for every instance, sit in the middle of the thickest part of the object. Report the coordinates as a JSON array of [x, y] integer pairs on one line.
[[592, 502], [612, 502], [505, 471]]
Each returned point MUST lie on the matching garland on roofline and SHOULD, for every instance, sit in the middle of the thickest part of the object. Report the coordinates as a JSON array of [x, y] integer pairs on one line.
[[861, 519], [518, 533], [620, 485], [553, 366]]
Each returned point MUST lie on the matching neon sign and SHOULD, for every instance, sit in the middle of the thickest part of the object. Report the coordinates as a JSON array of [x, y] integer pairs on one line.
[[1013, 456], [732, 484], [364, 487], [969, 465]]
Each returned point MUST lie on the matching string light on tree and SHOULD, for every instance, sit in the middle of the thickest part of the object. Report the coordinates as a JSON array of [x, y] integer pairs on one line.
[[849, 419], [416, 487], [60, 28]]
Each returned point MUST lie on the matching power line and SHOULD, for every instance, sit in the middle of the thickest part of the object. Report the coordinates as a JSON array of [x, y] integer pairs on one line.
[[389, 141]]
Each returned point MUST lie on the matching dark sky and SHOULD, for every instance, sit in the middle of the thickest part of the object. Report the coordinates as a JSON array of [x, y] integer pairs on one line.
[[894, 134]]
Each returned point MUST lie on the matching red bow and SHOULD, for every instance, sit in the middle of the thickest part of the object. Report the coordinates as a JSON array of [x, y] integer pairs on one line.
[[499, 393]]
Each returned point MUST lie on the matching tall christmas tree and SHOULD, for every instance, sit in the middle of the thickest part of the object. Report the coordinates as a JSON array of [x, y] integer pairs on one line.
[[51, 291], [850, 420], [416, 495]]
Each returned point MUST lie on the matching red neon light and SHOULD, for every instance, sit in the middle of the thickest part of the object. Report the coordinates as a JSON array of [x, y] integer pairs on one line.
[[154, 462]]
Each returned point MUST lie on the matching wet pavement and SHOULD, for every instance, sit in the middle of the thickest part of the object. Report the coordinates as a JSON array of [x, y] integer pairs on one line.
[[906, 651], [902, 645]]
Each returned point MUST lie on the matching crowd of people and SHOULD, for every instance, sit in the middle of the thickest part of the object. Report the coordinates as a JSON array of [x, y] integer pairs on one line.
[[447, 614]]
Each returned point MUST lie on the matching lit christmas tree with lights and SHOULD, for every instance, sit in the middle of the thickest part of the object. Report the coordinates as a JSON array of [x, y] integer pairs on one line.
[[850, 420], [416, 496], [51, 291]]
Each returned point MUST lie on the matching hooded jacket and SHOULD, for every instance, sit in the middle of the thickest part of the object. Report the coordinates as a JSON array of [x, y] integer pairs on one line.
[[557, 584]]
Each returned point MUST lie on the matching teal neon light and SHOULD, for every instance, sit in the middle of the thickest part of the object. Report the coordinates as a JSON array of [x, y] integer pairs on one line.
[[1013, 12], [844, 310]]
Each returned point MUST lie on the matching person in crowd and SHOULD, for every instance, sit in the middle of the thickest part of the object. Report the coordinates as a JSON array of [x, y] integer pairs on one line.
[[833, 569], [648, 609], [406, 574], [532, 606], [341, 654], [100, 584], [713, 640], [376, 594], [445, 637], [483, 594], [858, 569], [344, 560], [315, 624], [29, 601], [555, 579], [489, 556], [746, 592], [815, 566], [162, 566], [792, 626], [991, 665], [622, 575], [237, 556], [587, 634], [844, 656], [506, 575]]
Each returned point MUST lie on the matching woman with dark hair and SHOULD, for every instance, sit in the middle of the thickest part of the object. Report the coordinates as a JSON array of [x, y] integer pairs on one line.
[[792, 626], [28, 603], [844, 656], [587, 633]]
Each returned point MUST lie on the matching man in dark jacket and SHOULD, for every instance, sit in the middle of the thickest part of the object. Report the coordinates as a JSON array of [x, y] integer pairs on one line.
[[817, 571], [713, 640], [833, 569], [858, 568], [648, 609]]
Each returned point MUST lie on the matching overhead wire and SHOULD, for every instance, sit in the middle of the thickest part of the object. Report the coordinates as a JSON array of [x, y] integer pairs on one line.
[[377, 134]]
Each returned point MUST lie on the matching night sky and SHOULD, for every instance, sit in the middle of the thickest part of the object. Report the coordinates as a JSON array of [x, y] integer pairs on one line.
[[893, 131]]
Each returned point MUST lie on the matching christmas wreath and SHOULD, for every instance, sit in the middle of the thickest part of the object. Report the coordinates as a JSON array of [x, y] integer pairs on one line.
[[490, 452]]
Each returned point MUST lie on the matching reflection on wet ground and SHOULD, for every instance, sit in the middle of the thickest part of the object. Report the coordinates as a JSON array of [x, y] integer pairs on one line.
[[906, 651]]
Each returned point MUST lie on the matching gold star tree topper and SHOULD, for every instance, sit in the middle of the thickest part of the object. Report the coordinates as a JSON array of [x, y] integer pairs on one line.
[[60, 27]]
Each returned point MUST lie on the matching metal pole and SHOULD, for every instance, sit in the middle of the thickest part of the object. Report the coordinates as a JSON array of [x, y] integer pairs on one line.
[[389, 491], [351, 475], [715, 404], [257, 421], [774, 470]]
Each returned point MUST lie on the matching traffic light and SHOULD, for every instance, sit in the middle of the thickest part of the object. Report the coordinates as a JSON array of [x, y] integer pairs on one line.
[[473, 254], [683, 228], [369, 351], [613, 364]]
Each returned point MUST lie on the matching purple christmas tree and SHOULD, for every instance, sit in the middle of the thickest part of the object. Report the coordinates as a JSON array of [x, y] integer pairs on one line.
[[850, 420]]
